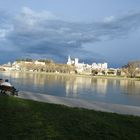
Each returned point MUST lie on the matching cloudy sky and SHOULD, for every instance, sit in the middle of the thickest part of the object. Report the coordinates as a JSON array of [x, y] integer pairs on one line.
[[92, 30]]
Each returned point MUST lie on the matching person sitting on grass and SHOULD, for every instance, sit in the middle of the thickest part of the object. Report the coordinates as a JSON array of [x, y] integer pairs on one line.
[[1, 81], [6, 83]]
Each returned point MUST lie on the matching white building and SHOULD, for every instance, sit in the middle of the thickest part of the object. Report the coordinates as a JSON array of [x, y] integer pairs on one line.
[[15, 66], [99, 65], [72, 61], [82, 66], [79, 66], [39, 63]]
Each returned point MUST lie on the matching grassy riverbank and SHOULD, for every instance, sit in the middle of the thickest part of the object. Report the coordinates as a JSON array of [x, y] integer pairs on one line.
[[29, 120]]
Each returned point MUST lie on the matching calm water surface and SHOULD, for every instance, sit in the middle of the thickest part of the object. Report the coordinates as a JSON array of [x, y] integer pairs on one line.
[[105, 90]]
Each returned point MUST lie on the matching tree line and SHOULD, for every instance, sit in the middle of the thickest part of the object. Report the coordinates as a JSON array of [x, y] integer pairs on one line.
[[49, 66]]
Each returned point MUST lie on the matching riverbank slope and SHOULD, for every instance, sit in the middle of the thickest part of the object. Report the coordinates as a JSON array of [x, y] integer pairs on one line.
[[94, 105]]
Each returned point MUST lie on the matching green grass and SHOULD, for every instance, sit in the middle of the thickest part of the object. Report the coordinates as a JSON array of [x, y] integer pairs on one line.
[[29, 120]]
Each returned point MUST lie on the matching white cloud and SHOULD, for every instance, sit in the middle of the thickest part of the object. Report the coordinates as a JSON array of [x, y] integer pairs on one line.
[[31, 17], [2, 33], [109, 19]]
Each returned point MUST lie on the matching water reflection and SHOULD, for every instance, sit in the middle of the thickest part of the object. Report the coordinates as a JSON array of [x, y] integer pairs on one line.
[[130, 87], [99, 85], [110, 90], [76, 84], [79, 84]]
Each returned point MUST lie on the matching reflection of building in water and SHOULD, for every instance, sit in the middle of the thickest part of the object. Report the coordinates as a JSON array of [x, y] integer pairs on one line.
[[123, 83], [130, 87], [80, 84], [101, 86], [71, 89], [39, 79], [35, 79], [76, 84], [114, 83]]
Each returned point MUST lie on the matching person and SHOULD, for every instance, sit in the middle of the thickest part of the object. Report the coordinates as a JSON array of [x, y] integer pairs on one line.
[[1, 81], [6, 83]]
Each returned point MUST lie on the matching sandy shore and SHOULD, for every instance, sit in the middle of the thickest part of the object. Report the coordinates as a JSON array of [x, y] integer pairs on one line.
[[99, 106]]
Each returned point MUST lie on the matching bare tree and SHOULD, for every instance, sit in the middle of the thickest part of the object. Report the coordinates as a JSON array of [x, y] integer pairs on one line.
[[131, 67]]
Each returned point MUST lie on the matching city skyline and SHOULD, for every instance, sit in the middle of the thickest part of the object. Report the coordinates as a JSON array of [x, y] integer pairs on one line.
[[92, 30]]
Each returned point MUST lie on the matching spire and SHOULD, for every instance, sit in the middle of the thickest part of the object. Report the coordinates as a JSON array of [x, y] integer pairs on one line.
[[69, 60]]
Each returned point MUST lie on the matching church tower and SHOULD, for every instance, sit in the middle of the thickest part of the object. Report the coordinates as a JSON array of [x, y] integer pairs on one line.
[[69, 62], [76, 61]]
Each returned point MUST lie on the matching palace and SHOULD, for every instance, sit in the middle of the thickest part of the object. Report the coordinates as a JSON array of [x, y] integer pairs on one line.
[[82, 66]]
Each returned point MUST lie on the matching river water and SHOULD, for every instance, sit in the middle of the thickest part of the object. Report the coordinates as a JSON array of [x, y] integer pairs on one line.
[[92, 89]]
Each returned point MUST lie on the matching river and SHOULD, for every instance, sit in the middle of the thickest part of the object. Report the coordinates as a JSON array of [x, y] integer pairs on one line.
[[88, 88]]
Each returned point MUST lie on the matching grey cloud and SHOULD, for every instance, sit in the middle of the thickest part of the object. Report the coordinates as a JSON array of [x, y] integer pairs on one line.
[[3, 17], [6, 19], [43, 33]]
